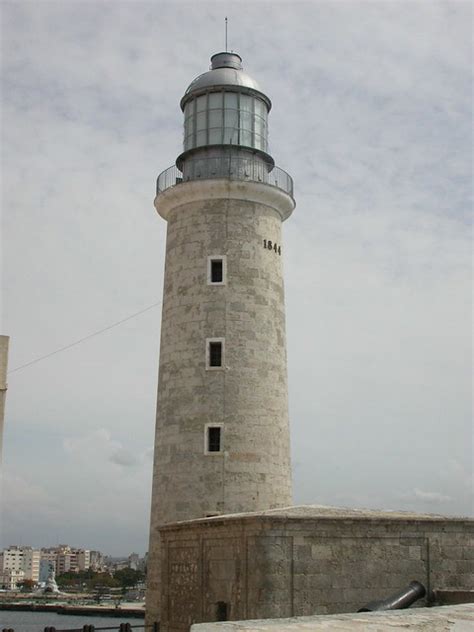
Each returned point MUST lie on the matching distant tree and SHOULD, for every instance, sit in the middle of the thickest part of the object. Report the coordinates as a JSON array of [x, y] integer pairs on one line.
[[26, 585], [88, 580], [128, 577], [101, 580], [68, 580]]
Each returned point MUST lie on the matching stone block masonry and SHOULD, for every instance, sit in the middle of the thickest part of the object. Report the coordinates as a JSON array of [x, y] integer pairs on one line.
[[222, 434], [246, 397], [305, 561], [446, 619]]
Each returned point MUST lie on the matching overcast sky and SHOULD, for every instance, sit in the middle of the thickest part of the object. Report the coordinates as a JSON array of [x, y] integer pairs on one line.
[[371, 116]]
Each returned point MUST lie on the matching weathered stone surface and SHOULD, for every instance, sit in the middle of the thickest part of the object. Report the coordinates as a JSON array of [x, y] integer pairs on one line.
[[248, 395], [445, 619], [314, 560]]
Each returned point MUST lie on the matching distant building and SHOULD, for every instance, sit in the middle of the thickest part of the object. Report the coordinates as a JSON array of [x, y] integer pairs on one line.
[[36, 564], [120, 566], [9, 579], [133, 561], [66, 559], [31, 563], [18, 559], [142, 564], [83, 557]]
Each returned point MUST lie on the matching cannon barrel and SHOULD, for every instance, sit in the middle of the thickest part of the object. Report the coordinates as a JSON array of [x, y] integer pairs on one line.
[[402, 599]]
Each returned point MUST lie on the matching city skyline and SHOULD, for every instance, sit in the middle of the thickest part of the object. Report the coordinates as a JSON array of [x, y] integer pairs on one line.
[[371, 117]]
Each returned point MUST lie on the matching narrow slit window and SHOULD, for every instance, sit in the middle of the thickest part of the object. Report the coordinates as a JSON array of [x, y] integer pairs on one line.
[[213, 439], [217, 271], [215, 354]]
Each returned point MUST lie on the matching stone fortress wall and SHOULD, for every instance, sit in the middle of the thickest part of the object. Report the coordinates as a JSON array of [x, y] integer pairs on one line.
[[306, 561]]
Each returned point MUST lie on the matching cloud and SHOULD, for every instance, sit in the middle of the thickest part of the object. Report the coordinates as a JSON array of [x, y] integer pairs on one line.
[[371, 116], [124, 458], [27, 505], [425, 496], [99, 446], [149, 454]]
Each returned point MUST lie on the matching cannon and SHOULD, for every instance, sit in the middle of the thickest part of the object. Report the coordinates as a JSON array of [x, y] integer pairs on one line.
[[400, 600]]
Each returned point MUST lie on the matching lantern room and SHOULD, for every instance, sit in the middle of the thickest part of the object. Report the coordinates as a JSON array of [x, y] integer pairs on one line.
[[224, 109]]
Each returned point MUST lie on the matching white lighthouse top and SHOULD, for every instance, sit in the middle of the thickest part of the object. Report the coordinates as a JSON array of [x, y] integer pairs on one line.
[[226, 72]]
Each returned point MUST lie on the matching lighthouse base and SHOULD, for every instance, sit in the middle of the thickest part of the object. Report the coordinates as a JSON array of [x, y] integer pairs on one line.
[[305, 560]]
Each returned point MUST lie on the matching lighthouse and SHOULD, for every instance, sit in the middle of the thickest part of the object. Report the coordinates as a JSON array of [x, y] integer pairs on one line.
[[222, 432]]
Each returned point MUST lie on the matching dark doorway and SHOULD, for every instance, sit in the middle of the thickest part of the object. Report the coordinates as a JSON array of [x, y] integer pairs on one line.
[[222, 611]]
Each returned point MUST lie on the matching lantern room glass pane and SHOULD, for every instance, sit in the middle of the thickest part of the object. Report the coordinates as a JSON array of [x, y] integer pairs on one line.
[[201, 103], [231, 136], [231, 118], [246, 138], [189, 126], [230, 99], [246, 120], [201, 122], [215, 118], [215, 135], [188, 108], [201, 138], [260, 108], [246, 104], [215, 100], [259, 125], [259, 142]]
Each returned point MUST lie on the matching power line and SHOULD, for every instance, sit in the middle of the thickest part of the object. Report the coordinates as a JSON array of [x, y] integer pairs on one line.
[[77, 342]]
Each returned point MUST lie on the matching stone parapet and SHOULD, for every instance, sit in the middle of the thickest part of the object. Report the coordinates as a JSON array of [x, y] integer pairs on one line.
[[445, 619]]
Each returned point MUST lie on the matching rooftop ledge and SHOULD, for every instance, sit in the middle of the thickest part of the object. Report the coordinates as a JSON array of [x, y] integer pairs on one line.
[[324, 512]]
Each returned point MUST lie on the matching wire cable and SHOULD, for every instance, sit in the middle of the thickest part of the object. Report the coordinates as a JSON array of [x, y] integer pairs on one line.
[[77, 342]]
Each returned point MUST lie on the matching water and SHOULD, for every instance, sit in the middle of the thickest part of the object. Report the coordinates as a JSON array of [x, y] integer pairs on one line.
[[36, 621]]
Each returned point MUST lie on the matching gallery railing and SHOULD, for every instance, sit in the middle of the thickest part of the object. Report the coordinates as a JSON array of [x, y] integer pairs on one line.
[[233, 167]]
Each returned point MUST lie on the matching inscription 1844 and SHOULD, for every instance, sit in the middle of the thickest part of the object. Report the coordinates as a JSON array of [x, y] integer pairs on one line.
[[271, 245]]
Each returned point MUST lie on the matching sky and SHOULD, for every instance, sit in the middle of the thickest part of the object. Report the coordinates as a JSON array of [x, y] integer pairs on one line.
[[372, 116]]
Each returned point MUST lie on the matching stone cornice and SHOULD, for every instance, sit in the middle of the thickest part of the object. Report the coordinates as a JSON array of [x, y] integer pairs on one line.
[[224, 189]]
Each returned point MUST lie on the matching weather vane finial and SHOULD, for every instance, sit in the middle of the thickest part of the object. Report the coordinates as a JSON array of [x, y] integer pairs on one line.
[[226, 35]]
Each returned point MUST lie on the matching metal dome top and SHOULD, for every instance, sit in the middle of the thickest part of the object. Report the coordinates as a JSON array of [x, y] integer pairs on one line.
[[226, 70]]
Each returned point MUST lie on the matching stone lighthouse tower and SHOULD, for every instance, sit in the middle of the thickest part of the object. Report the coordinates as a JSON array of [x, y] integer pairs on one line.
[[222, 436]]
